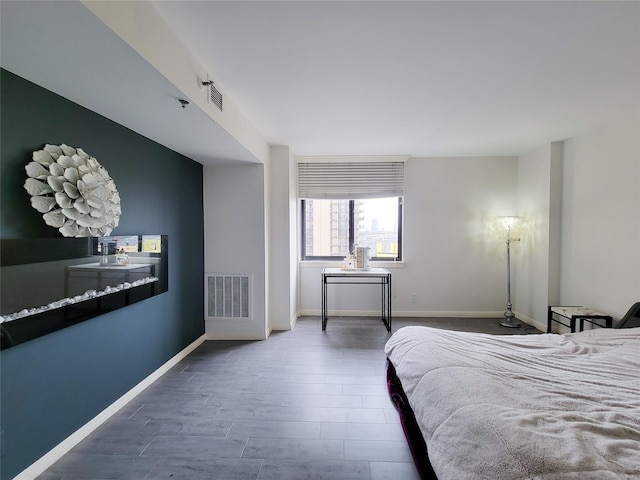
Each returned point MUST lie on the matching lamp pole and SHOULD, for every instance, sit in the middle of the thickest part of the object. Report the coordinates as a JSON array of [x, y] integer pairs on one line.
[[509, 316]]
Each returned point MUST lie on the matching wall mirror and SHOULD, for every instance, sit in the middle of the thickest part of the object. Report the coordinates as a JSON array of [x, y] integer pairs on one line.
[[53, 283]]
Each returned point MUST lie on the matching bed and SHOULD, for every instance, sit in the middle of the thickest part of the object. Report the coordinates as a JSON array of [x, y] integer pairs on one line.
[[505, 407]]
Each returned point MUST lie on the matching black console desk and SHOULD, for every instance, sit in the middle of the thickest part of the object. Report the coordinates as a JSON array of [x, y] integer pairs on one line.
[[372, 276]]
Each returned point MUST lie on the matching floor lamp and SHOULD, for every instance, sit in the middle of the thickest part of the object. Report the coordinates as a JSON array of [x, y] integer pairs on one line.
[[510, 226]]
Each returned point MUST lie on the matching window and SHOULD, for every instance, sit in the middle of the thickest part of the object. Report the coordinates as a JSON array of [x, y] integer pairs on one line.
[[331, 228], [349, 202]]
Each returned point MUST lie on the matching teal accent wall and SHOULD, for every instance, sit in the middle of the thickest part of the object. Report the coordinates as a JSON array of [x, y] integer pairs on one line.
[[53, 385]]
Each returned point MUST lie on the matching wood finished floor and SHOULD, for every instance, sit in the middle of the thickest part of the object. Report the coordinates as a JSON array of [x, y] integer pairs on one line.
[[301, 405]]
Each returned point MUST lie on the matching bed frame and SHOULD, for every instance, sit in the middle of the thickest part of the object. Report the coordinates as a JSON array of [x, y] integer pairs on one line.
[[409, 424]]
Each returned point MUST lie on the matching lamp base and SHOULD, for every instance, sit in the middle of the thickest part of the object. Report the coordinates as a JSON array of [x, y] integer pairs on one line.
[[510, 319], [510, 324]]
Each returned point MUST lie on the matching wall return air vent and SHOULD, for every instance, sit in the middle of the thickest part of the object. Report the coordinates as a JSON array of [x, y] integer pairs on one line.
[[228, 296]]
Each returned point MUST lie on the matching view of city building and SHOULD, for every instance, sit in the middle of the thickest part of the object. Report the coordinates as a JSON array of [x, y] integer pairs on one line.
[[375, 226]]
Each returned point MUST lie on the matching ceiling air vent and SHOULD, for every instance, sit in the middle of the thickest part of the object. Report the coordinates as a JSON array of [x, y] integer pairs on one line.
[[215, 95]]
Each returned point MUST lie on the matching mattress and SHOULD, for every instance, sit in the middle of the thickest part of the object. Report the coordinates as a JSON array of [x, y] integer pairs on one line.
[[524, 406]]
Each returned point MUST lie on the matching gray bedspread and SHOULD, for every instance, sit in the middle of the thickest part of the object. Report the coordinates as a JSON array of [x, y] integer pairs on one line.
[[524, 406]]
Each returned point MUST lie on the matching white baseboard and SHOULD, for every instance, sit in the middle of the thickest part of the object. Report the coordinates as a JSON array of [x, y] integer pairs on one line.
[[450, 314], [57, 452], [400, 314], [428, 314], [237, 337], [534, 323], [293, 321]]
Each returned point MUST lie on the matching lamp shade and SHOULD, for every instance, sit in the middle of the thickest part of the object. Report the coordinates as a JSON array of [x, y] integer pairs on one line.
[[509, 227]]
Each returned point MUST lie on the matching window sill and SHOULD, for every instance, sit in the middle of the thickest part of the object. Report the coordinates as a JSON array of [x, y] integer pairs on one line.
[[338, 263]]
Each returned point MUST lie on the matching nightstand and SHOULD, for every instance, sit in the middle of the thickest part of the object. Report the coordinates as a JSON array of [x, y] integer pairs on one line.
[[571, 314]]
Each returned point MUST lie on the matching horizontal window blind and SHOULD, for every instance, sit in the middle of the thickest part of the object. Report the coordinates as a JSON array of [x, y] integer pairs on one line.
[[350, 180]]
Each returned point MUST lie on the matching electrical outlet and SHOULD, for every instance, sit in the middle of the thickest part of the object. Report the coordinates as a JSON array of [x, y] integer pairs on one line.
[[413, 297]]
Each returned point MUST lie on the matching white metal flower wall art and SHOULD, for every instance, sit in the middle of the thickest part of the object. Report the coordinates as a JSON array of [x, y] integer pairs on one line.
[[73, 191]]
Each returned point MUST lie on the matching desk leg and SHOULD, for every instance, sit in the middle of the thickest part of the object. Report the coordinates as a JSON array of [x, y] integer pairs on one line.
[[324, 303], [386, 302], [389, 303], [383, 301]]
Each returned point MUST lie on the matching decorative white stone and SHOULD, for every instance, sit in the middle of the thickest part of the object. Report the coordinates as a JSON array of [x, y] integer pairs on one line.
[[90, 180], [73, 191], [71, 174], [66, 162], [54, 150], [82, 206], [69, 230], [63, 200], [93, 200], [56, 169], [71, 213], [36, 187], [84, 221], [88, 295], [56, 183], [67, 150], [36, 170], [42, 157], [42, 204], [54, 219], [101, 192], [82, 154], [97, 213]]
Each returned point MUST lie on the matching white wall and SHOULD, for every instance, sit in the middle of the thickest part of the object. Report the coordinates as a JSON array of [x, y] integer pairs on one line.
[[535, 257], [581, 197], [283, 260], [294, 251], [449, 262], [600, 265], [235, 240]]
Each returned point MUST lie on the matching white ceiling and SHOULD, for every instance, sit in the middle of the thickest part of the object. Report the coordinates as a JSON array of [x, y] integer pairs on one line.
[[421, 78]]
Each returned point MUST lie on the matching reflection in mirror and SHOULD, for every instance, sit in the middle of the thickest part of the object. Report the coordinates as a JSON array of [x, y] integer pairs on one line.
[[49, 284]]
